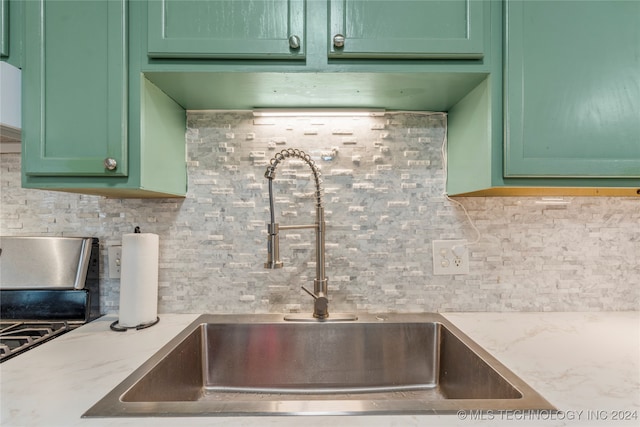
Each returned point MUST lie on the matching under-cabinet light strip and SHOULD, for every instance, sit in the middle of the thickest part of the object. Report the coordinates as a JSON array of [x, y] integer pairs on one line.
[[317, 112]]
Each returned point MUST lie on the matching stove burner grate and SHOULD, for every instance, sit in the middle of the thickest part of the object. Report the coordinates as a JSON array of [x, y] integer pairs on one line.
[[19, 336]]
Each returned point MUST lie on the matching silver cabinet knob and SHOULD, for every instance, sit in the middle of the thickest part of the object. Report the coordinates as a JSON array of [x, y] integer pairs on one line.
[[294, 42], [110, 163], [338, 40]]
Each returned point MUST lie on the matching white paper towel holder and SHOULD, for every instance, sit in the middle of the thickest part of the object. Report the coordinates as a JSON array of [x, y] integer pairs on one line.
[[115, 326]]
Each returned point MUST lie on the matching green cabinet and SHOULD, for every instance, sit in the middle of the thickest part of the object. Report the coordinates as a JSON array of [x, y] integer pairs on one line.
[[4, 28], [565, 116], [572, 89], [11, 31], [267, 29], [271, 29], [75, 80], [90, 120], [407, 28], [415, 55]]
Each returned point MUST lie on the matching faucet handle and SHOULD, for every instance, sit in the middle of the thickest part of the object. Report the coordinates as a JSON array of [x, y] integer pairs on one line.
[[320, 305], [314, 296]]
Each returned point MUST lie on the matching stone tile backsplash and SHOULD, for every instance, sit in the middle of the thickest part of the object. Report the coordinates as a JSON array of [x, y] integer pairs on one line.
[[384, 202]]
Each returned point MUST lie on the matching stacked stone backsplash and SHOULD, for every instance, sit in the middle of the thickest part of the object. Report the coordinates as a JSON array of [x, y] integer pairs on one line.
[[384, 185]]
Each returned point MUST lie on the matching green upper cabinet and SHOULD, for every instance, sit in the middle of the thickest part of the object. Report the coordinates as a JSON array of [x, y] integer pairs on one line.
[[572, 89], [271, 29], [4, 28], [75, 88], [407, 28], [11, 31], [91, 122]]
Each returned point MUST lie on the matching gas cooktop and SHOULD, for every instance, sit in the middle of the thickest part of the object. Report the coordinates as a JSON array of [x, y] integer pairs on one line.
[[48, 286]]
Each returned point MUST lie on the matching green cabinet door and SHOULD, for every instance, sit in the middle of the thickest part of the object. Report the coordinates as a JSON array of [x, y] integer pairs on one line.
[[4, 28], [11, 31], [75, 88], [408, 28], [272, 29], [572, 82]]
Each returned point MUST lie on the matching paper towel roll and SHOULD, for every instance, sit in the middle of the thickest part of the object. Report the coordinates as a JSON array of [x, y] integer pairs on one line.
[[138, 279]]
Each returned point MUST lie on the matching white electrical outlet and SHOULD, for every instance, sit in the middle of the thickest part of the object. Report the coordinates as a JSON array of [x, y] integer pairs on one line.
[[450, 257], [114, 253]]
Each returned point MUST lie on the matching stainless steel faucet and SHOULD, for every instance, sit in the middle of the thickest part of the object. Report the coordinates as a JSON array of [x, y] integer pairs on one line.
[[319, 294]]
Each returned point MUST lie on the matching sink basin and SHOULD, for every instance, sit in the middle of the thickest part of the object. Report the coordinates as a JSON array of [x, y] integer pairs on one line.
[[262, 365]]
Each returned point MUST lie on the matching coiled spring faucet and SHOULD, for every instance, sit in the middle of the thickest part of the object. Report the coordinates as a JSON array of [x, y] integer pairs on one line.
[[319, 294]]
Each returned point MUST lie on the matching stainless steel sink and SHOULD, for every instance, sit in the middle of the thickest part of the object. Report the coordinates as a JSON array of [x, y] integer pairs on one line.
[[262, 365]]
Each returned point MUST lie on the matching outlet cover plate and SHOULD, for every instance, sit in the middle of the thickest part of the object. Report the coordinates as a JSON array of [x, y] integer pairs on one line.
[[450, 257], [114, 253]]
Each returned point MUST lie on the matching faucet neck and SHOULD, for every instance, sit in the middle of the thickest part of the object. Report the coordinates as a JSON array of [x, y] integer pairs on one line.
[[270, 173], [320, 284]]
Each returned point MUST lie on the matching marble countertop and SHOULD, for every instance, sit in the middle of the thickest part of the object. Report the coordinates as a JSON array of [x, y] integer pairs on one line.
[[586, 364]]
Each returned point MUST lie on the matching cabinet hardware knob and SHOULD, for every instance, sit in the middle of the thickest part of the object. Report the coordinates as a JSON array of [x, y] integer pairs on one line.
[[294, 42], [338, 40], [110, 163]]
